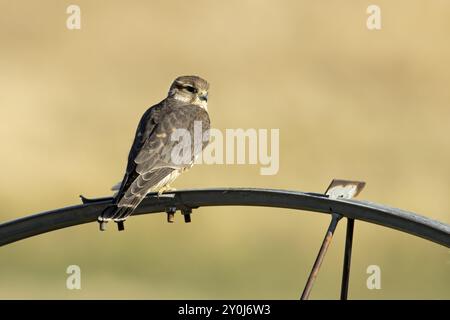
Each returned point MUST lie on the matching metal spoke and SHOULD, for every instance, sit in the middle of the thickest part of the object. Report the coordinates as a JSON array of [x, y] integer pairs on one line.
[[320, 256], [347, 258]]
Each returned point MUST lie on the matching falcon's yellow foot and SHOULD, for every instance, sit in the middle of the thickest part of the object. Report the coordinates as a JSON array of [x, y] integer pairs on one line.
[[166, 188]]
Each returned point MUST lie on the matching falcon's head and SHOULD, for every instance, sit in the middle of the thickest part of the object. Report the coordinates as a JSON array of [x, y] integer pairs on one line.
[[190, 90]]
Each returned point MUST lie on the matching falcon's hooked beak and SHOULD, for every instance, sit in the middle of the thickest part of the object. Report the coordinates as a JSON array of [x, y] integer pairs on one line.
[[204, 97]]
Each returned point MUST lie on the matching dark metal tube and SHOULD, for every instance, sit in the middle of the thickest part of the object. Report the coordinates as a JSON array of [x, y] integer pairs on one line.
[[347, 258], [320, 256]]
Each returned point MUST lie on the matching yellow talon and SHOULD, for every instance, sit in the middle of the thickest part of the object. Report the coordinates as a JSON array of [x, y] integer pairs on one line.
[[166, 188]]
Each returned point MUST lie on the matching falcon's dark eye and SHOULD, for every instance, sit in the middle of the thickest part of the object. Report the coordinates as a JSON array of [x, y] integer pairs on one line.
[[191, 89]]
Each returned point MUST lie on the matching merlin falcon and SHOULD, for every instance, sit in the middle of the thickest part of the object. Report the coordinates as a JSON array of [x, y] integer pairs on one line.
[[153, 162]]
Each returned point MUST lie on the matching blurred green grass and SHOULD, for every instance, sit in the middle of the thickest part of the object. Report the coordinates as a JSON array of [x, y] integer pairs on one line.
[[349, 103]]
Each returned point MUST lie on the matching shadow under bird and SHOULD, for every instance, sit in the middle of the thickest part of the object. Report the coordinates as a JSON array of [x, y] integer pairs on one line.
[[154, 160]]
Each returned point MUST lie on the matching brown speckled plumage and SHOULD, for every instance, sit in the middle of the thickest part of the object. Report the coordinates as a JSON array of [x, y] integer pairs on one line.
[[151, 165]]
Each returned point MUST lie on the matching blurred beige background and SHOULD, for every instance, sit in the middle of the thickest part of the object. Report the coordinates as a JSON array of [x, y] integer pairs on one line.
[[349, 103]]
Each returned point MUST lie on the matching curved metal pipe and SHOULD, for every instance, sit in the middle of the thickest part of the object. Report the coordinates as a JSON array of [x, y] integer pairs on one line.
[[398, 219]]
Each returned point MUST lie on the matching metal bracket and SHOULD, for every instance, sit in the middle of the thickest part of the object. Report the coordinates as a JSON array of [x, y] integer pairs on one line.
[[120, 225], [171, 214], [344, 189], [186, 212]]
